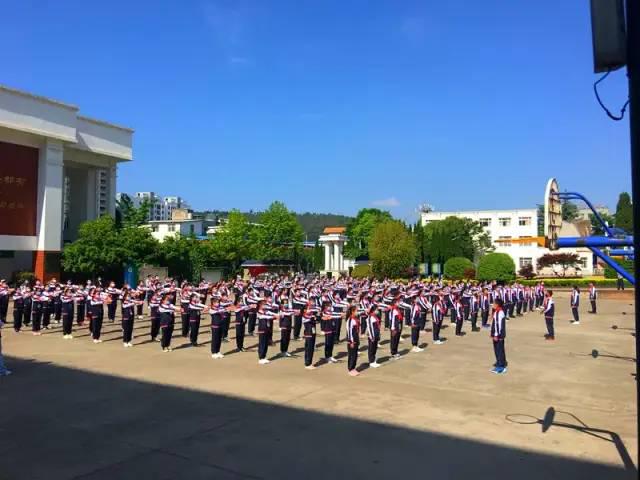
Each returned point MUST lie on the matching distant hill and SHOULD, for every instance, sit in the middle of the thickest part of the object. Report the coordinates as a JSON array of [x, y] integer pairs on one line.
[[312, 223]]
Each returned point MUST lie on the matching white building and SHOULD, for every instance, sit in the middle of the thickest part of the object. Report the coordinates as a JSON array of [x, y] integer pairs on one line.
[[505, 225], [161, 207], [181, 223], [57, 169], [333, 240]]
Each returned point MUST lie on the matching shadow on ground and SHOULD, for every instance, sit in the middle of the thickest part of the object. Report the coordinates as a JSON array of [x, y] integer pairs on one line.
[[61, 423]]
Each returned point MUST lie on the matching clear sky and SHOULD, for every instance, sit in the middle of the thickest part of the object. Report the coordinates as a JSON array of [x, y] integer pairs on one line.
[[333, 105]]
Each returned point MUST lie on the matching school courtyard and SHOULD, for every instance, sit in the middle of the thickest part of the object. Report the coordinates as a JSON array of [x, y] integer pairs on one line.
[[565, 409]]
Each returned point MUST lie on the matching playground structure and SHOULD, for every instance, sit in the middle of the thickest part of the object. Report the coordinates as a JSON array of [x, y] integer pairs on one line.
[[615, 242]]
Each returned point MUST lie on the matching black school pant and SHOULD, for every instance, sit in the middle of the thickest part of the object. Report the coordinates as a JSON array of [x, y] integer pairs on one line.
[[436, 330], [139, 308], [185, 323], [328, 344], [127, 329], [458, 326], [96, 320], [37, 316], [226, 321], [26, 319], [167, 333], [485, 317], [46, 315], [240, 333], [415, 335], [4, 308], [57, 310], [336, 333], [576, 314], [252, 322], [216, 338], [155, 325], [111, 310], [263, 345], [309, 347], [519, 307], [549, 322], [593, 306], [501, 356], [474, 320], [194, 329], [353, 356], [80, 313], [372, 350], [285, 338], [17, 318], [67, 318], [297, 326], [394, 342]]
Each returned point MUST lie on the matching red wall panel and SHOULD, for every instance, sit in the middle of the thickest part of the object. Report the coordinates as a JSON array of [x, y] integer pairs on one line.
[[18, 189]]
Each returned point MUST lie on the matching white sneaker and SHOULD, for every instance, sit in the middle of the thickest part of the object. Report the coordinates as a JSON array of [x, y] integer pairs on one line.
[[333, 360], [287, 354], [310, 367], [374, 365], [220, 355], [576, 323], [417, 349], [438, 342], [214, 355], [125, 345], [401, 340], [70, 337]]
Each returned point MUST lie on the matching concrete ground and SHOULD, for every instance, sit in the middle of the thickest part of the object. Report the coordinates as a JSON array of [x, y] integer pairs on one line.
[[76, 410]]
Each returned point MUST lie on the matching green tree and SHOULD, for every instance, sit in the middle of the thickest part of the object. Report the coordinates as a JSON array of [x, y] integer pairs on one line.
[[569, 211], [564, 259], [183, 256], [279, 235], [418, 236], [392, 249], [496, 266], [233, 244], [318, 257], [455, 237], [360, 230], [624, 213], [596, 228], [456, 267], [129, 215]]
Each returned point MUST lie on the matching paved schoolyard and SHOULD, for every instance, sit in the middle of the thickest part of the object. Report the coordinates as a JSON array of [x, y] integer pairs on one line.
[[75, 410]]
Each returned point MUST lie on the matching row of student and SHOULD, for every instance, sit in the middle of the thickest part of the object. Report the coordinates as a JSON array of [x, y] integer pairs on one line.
[[297, 305]]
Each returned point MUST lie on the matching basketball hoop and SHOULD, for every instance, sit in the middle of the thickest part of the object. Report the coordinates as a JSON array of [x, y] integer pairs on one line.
[[552, 214]]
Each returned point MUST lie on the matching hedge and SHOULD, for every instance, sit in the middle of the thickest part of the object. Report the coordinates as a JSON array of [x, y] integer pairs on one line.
[[570, 282], [455, 267], [496, 266]]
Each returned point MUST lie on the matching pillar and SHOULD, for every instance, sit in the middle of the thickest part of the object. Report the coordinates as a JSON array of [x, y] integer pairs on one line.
[[111, 194], [341, 257], [336, 257], [327, 257], [46, 261]]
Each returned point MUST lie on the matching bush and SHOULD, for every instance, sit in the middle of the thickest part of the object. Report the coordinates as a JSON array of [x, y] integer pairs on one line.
[[455, 268], [611, 273], [496, 266], [570, 282], [361, 271], [18, 278]]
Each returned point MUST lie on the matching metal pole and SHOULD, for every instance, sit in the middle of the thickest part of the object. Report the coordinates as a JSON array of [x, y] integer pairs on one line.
[[633, 71]]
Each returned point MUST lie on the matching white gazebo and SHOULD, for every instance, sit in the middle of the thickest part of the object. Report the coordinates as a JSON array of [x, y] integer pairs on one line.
[[333, 240]]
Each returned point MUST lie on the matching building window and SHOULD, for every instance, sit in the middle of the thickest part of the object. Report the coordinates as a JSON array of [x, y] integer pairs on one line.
[[504, 244], [504, 222], [172, 227], [524, 221], [524, 261], [527, 244], [192, 229], [485, 222], [583, 262]]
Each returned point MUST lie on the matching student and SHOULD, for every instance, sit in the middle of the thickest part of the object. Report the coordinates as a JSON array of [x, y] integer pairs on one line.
[[373, 336], [498, 334], [309, 332], [66, 310], [127, 306], [485, 305], [241, 320], [575, 305], [395, 328], [185, 317], [416, 319], [4, 300], [18, 309], [620, 282], [112, 305], [154, 315], [97, 313], [328, 327], [36, 306], [548, 310], [286, 315], [437, 316], [265, 318], [216, 311], [593, 297], [473, 311], [167, 310], [194, 308], [353, 339], [4, 371], [458, 308], [80, 299]]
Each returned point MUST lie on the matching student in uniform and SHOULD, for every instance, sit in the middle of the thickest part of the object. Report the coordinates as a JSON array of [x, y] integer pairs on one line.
[[27, 294], [185, 300], [112, 305], [80, 299], [97, 313], [353, 340], [167, 311], [309, 332], [548, 310], [36, 306], [416, 319], [216, 311], [474, 301], [240, 310], [154, 315], [57, 304], [4, 371], [498, 334], [485, 305], [373, 336], [458, 308], [195, 309], [395, 328], [575, 305], [593, 298], [286, 316], [66, 310], [127, 306], [4, 300], [437, 317], [328, 326], [265, 318], [18, 309]]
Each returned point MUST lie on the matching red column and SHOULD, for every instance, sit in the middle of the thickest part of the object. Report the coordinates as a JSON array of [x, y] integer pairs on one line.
[[40, 266]]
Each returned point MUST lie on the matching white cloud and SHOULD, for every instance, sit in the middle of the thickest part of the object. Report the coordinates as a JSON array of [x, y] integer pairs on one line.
[[390, 202]]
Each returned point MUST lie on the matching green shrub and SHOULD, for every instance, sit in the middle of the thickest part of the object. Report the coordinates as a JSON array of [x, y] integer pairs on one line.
[[455, 267], [570, 282], [611, 273], [361, 271], [18, 278], [496, 266]]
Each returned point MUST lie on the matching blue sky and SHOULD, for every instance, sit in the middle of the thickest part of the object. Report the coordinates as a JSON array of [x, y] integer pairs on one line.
[[334, 105]]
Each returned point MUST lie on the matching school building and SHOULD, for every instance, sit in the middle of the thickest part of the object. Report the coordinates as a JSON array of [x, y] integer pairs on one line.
[[503, 226], [58, 168]]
